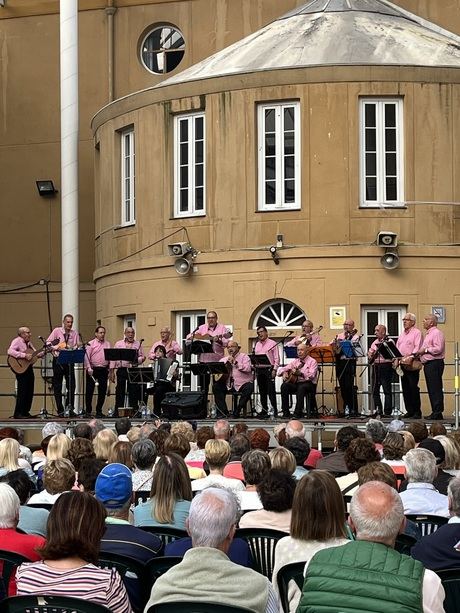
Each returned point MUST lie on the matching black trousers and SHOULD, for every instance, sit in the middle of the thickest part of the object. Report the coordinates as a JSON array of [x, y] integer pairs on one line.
[[60, 372], [101, 374], [159, 391], [220, 391], [345, 371], [411, 392], [382, 376], [204, 383], [123, 385], [434, 370], [267, 389], [304, 391], [25, 393]]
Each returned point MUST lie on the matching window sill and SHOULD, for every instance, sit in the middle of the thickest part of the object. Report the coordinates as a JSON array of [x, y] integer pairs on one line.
[[188, 215], [279, 209], [382, 205], [122, 226]]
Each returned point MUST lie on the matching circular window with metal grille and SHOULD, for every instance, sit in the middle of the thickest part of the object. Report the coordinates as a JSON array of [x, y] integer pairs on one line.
[[162, 49]]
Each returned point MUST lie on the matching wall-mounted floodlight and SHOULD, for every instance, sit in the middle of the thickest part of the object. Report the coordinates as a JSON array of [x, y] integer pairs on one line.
[[46, 188], [274, 253]]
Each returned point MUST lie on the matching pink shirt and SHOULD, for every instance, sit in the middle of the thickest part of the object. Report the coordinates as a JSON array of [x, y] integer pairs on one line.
[[71, 339], [94, 354], [172, 349], [409, 341], [379, 359], [435, 343], [315, 340], [270, 348], [241, 371], [123, 344], [308, 368], [218, 348], [19, 347]]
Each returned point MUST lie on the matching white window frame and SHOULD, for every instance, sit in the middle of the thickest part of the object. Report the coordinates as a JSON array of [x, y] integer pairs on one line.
[[129, 321], [382, 200], [128, 178], [280, 203], [192, 211]]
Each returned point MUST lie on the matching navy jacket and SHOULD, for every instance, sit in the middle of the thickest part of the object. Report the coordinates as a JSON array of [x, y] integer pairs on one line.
[[436, 551]]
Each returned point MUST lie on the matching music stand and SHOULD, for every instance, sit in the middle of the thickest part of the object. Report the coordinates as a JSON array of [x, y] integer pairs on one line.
[[201, 346], [290, 352], [140, 375], [388, 350], [70, 357], [260, 360], [323, 354], [120, 355]]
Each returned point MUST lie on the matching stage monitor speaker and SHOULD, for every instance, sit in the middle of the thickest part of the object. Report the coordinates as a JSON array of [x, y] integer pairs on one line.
[[184, 405]]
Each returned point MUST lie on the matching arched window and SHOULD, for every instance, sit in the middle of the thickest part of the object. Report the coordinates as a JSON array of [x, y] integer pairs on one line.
[[279, 314]]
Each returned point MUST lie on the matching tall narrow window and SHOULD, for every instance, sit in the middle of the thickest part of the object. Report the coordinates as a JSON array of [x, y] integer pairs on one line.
[[189, 165], [381, 148], [279, 156], [128, 196]]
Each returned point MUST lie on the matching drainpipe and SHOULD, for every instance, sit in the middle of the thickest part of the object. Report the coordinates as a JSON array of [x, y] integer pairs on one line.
[[110, 11]]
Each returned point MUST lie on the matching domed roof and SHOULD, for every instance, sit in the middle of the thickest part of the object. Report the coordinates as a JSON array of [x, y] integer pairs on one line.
[[334, 32]]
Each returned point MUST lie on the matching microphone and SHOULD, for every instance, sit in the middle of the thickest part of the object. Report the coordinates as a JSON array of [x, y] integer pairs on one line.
[[42, 340], [141, 341]]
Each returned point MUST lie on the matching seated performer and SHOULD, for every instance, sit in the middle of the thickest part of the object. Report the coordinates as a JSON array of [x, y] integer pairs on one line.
[[22, 348], [165, 381], [381, 374], [97, 371], [67, 339], [266, 375], [121, 369], [345, 368], [300, 379], [171, 346], [307, 337], [239, 380]]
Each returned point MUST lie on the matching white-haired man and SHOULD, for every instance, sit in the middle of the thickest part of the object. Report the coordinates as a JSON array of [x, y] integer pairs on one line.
[[432, 354], [222, 429], [206, 574], [368, 574], [409, 343], [421, 496]]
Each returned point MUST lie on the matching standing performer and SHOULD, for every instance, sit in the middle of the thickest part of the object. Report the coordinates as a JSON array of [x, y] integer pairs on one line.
[[68, 339], [219, 335], [266, 376], [121, 370], [345, 367], [432, 354], [299, 378], [21, 347], [239, 379], [97, 371], [307, 337], [381, 374], [409, 343], [172, 347]]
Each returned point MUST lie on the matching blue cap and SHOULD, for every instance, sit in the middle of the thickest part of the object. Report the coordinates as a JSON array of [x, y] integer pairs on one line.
[[114, 486]]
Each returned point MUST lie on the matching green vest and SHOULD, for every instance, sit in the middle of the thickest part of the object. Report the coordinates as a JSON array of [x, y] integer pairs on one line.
[[362, 576]]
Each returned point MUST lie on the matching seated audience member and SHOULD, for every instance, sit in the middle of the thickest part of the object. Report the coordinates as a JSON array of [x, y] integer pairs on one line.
[[114, 489], [276, 492], [31, 520], [238, 552], [282, 459], [396, 425], [170, 496], [80, 449], [217, 454], [421, 496], [345, 578], [317, 522], [393, 451], [360, 451], [409, 440], [300, 449], [240, 427], [75, 528], [18, 435], [376, 431], [437, 428], [279, 433], [120, 453], [10, 460], [58, 477], [83, 430], [133, 434], [239, 445], [39, 460], [206, 574], [58, 447], [438, 550], [179, 444], [255, 465], [11, 540], [441, 481], [452, 453], [184, 428], [87, 475], [103, 442], [222, 429], [295, 428], [259, 439], [144, 456], [335, 461], [96, 425], [158, 438], [195, 457], [418, 430], [122, 426]]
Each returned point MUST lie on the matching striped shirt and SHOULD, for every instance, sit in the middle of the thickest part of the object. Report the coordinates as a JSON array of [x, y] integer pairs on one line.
[[101, 585]]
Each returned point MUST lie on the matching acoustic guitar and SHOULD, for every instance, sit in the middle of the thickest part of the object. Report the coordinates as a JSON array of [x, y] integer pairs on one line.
[[20, 365]]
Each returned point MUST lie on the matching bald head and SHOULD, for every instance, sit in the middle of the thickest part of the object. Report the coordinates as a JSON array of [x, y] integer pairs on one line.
[[295, 428]]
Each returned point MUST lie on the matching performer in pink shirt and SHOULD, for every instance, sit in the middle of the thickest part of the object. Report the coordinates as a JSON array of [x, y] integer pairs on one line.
[[239, 379], [119, 372], [97, 371], [381, 373], [172, 347], [307, 337], [21, 347], [345, 367], [432, 354], [409, 343], [67, 339], [266, 376], [299, 378]]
